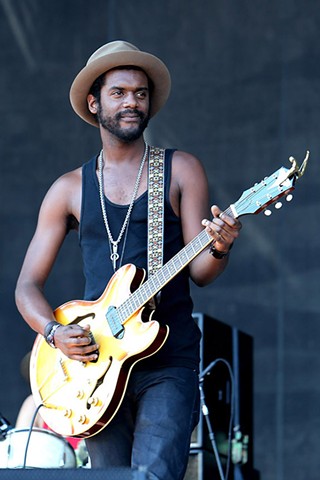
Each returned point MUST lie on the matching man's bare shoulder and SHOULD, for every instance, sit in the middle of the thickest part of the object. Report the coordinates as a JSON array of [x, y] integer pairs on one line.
[[188, 179], [64, 195], [187, 166], [71, 179], [185, 157]]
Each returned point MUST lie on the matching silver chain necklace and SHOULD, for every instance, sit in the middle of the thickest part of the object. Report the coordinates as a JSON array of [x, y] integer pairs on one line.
[[114, 255]]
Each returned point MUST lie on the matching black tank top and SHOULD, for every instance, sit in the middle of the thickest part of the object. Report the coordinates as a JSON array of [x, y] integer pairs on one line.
[[175, 307]]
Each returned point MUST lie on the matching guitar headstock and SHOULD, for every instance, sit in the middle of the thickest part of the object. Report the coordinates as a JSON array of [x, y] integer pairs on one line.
[[269, 190]]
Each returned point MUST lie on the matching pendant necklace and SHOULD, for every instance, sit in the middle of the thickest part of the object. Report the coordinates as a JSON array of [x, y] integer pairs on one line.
[[113, 244]]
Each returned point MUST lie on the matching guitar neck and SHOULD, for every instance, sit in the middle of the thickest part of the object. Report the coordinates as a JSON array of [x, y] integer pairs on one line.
[[252, 201], [163, 276]]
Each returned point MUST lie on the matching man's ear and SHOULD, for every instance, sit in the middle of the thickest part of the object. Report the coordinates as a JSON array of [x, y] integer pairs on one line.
[[92, 103]]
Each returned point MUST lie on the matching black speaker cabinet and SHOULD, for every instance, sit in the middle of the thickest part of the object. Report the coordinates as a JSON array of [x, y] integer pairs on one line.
[[201, 465], [72, 474], [230, 352]]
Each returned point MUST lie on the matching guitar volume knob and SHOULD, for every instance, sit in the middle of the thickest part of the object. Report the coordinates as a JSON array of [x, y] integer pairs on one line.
[[80, 394], [82, 419], [94, 401]]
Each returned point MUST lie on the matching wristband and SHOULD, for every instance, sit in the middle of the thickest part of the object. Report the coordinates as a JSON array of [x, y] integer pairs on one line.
[[49, 332], [219, 255]]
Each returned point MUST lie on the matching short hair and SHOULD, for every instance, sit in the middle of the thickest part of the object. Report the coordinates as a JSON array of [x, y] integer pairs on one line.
[[95, 89]]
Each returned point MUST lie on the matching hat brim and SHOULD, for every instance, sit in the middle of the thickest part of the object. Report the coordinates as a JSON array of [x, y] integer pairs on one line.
[[151, 65]]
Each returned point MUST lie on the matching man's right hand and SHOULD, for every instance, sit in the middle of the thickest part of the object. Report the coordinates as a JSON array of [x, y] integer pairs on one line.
[[77, 342]]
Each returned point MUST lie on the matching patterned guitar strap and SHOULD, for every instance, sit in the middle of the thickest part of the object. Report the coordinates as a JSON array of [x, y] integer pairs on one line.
[[155, 210]]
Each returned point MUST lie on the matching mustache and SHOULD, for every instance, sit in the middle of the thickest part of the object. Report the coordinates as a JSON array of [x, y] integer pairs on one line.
[[130, 111]]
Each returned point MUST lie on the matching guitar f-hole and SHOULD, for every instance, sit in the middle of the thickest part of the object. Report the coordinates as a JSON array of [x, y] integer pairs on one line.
[[95, 400], [82, 317]]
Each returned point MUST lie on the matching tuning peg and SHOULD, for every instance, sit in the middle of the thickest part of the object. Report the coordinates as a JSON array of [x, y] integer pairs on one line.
[[289, 197], [278, 205], [267, 212]]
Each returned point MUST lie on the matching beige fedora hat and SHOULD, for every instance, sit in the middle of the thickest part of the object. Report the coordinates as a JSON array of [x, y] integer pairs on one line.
[[112, 55]]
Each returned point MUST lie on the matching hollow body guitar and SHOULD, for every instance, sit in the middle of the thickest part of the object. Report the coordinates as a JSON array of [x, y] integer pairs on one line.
[[80, 399]]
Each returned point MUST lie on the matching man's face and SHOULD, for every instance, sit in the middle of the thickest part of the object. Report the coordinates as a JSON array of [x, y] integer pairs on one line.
[[124, 104]]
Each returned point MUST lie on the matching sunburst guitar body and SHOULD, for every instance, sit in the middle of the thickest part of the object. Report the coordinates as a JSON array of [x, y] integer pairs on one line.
[[79, 399]]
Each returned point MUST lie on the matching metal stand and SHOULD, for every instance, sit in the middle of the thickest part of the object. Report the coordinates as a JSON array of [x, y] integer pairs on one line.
[[205, 412]]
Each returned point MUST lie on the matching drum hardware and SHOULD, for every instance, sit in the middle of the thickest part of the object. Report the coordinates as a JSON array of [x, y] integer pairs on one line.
[[38, 448], [45, 450], [5, 426]]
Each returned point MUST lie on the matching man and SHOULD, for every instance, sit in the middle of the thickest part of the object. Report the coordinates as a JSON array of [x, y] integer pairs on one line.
[[118, 90]]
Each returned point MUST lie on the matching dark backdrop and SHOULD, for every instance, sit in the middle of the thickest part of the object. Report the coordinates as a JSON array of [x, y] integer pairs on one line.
[[246, 96]]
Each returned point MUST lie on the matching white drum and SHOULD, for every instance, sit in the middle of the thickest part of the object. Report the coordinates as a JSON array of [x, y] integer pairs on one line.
[[45, 450]]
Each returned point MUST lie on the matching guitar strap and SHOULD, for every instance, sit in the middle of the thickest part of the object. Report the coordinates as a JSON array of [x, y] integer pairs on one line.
[[155, 209]]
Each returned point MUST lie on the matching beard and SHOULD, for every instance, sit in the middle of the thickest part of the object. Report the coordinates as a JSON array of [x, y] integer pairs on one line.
[[112, 124]]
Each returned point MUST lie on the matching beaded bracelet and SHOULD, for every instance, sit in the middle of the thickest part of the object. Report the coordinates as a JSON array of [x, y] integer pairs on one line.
[[219, 255], [49, 332]]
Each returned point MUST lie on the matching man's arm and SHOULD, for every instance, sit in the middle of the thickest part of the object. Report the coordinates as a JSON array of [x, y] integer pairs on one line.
[[189, 179], [62, 200]]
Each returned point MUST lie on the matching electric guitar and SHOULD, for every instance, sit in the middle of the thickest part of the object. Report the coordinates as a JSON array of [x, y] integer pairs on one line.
[[80, 399]]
